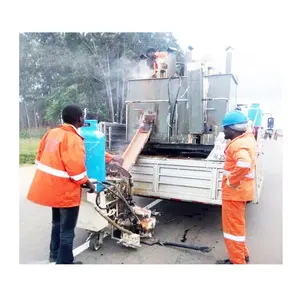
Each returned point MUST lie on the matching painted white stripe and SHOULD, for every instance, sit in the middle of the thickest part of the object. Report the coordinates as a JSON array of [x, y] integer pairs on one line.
[[78, 177], [235, 238], [243, 164], [81, 248], [153, 203]]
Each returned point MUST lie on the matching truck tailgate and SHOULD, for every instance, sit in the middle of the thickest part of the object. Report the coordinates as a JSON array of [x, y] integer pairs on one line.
[[192, 180]]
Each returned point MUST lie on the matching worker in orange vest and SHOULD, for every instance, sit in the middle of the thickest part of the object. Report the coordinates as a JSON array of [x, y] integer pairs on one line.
[[108, 157], [57, 183], [156, 60], [237, 185]]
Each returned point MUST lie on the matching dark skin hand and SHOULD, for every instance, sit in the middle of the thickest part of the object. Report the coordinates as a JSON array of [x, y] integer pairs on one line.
[[90, 186]]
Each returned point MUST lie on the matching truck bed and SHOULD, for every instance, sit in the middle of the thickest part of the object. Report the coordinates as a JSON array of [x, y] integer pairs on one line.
[[189, 180], [192, 180]]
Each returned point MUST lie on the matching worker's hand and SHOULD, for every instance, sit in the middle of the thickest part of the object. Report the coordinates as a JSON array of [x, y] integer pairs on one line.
[[228, 184], [117, 159], [90, 186]]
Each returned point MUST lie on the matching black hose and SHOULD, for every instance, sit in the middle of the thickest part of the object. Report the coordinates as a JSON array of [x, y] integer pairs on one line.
[[120, 196], [172, 113], [197, 248], [202, 249], [98, 202], [176, 101]]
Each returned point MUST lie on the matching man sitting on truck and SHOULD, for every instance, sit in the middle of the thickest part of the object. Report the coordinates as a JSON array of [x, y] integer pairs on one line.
[[157, 61], [237, 185], [109, 158]]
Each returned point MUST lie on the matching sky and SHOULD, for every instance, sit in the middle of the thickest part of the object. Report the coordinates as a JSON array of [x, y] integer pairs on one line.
[[257, 62]]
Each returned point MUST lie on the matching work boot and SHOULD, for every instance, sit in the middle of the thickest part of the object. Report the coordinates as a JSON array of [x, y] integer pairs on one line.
[[73, 263], [224, 262], [228, 262]]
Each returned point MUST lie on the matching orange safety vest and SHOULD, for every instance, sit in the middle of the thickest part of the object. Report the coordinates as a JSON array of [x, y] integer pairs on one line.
[[60, 170], [163, 56], [239, 169]]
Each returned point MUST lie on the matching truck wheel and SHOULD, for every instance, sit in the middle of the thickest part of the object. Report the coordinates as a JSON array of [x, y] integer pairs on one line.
[[96, 242]]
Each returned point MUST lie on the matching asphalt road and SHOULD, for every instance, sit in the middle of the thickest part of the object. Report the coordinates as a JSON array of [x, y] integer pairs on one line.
[[197, 224]]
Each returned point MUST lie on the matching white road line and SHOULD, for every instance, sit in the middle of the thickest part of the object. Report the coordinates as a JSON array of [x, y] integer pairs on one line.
[[85, 246], [81, 248], [153, 203]]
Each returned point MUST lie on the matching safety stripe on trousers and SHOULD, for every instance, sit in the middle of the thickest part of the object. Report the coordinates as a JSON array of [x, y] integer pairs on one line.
[[249, 175], [235, 238], [58, 173]]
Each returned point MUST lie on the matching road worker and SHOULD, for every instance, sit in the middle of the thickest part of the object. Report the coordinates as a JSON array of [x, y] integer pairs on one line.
[[158, 62], [109, 158], [237, 185], [58, 179]]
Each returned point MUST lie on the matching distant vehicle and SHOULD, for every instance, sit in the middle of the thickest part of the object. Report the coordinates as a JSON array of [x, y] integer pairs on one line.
[[268, 134]]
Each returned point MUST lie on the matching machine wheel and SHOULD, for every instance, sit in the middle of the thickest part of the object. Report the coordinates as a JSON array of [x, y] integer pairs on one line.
[[96, 242]]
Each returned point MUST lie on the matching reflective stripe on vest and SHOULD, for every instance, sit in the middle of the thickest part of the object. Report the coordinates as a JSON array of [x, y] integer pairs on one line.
[[58, 173], [235, 238], [243, 164], [249, 175]]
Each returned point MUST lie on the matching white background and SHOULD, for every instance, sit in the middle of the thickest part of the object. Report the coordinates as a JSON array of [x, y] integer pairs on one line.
[[269, 21]]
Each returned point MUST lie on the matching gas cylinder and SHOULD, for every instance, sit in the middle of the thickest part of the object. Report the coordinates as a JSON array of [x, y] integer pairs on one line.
[[255, 114], [94, 143]]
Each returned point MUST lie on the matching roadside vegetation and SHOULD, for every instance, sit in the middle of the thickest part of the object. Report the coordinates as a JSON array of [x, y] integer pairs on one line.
[[29, 142]]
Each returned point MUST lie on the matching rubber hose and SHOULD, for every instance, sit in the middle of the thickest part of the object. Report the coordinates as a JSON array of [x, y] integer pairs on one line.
[[112, 222], [202, 249]]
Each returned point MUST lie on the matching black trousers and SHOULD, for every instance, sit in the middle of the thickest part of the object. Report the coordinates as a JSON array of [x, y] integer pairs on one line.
[[62, 235]]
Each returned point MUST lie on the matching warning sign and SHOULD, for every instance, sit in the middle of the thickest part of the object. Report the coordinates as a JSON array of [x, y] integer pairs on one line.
[[217, 154]]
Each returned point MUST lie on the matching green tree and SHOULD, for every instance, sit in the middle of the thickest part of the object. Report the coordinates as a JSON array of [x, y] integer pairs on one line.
[[90, 69]]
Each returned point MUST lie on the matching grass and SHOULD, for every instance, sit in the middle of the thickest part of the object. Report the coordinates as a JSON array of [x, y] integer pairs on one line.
[[28, 150], [29, 143]]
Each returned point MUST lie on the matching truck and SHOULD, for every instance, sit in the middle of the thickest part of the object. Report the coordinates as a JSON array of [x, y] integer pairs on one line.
[[173, 151], [173, 161]]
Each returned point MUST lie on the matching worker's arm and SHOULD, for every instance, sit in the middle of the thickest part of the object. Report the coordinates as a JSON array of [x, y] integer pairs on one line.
[[73, 158], [113, 158], [108, 157], [242, 167]]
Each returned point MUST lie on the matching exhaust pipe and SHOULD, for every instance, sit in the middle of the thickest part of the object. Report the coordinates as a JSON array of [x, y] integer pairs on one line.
[[171, 62], [188, 58], [228, 67]]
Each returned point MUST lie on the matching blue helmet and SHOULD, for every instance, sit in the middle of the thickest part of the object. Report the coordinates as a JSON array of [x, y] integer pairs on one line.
[[234, 117]]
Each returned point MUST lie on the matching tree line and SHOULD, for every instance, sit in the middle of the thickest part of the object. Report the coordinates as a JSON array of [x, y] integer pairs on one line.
[[89, 69]]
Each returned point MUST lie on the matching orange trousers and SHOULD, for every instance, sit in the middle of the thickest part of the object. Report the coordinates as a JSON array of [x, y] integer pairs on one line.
[[234, 230]]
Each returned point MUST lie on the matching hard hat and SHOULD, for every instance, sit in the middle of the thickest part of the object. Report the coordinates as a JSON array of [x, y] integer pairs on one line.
[[234, 117]]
